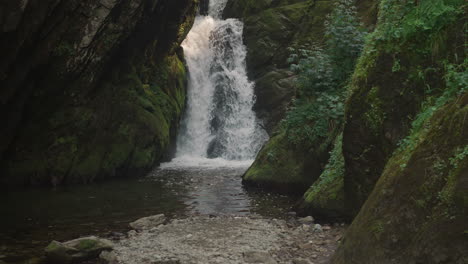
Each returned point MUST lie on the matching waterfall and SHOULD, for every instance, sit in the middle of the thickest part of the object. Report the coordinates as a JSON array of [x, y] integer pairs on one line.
[[219, 121]]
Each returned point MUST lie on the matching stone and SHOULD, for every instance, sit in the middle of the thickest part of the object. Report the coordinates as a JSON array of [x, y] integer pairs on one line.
[[76, 250], [317, 228], [258, 257], [306, 220], [109, 257], [149, 222]]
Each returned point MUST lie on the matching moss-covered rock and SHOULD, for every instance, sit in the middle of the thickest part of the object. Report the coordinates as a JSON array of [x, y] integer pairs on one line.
[[418, 210], [325, 198], [403, 63], [285, 167], [99, 95]]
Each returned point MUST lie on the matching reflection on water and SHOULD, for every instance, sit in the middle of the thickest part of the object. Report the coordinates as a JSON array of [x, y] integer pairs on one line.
[[32, 218]]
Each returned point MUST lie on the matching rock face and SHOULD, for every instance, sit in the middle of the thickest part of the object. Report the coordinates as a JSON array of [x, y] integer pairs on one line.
[[405, 140], [270, 28], [76, 250], [90, 89], [418, 213], [386, 94]]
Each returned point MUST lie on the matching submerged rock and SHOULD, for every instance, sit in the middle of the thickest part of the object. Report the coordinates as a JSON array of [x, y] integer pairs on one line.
[[77, 250], [149, 222]]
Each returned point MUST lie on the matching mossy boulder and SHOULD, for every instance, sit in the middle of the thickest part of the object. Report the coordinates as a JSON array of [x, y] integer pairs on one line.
[[99, 96], [76, 250], [285, 167], [418, 210], [401, 66]]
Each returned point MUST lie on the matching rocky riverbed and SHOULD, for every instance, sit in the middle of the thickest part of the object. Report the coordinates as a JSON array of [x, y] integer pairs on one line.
[[228, 239]]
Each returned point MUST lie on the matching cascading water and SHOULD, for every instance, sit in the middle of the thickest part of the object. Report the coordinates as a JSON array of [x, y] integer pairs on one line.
[[219, 120]]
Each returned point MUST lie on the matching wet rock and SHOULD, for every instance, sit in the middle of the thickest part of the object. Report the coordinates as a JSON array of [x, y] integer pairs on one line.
[[258, 257], [76, 250], [306, 220], [149, 222]]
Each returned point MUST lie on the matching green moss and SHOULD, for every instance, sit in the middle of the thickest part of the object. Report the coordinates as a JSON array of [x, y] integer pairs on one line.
[[87, 244], [326, 195], [420, 206], [375, 116], [279, 164], [400, 74]]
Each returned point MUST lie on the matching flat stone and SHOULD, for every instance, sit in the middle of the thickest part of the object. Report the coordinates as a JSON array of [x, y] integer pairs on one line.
[[146, 223], [258, 257]]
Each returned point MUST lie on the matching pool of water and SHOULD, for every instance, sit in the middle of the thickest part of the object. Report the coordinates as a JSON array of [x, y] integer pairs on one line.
[[30, 219]]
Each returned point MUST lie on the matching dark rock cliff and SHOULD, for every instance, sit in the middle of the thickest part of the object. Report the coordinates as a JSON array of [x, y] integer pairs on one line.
[[89, 89]]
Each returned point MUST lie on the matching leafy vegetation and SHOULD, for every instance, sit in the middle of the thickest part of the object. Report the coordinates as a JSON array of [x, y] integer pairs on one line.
[[322, 76], [456, 82]]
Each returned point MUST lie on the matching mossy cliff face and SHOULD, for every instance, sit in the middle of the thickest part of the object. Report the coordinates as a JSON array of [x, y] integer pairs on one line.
[[270, 28], [403, 64], [405, 139], [418, 210], [90, 89]]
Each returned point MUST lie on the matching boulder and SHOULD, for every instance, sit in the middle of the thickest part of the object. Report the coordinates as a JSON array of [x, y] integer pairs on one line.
[[80, 249], [149, 222]]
